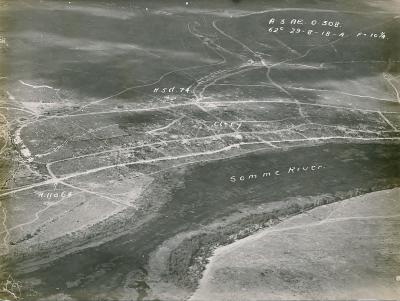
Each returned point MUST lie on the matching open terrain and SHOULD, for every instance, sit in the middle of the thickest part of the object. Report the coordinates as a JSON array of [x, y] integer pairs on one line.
[[314, 256]]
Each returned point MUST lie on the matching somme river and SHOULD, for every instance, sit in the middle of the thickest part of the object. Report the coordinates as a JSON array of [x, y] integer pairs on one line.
[[203, 193]]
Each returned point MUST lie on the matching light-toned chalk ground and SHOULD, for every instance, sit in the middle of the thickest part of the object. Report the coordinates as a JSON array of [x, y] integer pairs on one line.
[[346, 250]]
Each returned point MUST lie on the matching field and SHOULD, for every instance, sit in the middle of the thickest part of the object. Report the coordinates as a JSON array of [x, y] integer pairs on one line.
[[306, 264]]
